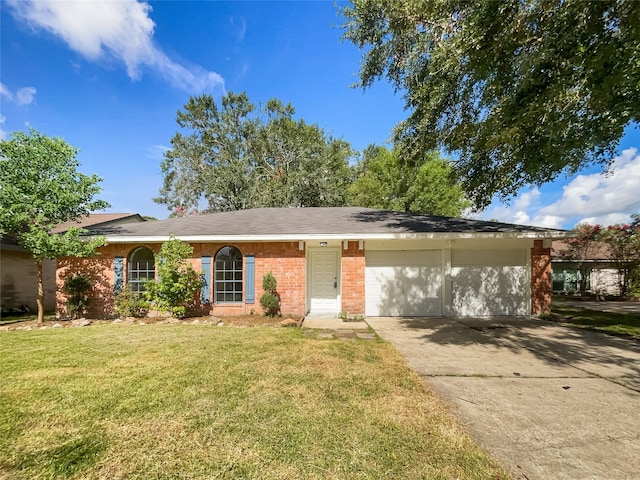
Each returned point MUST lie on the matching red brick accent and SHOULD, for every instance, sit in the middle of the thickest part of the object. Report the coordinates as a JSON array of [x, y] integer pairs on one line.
[[283, 259], [352, 275], [540, 278], [99, 269]]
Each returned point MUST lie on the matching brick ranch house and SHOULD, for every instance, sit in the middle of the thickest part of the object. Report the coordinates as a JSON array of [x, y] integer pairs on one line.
[[332, 260]]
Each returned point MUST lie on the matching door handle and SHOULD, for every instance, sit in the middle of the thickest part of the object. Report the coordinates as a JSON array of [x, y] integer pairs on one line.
[[335, 282]]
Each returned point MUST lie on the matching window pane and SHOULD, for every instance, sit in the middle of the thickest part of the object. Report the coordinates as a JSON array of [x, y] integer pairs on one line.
[[228, 275], [140, 266]]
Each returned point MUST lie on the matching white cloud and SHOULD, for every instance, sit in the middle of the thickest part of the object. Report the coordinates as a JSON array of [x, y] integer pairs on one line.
[[548, 221], [120, 29], [602, 198], [526, 199], [521, 217], [4, 92], [517, 212], [156, 152], [240, 27], [23, 96], [3, 135], [596, 198]]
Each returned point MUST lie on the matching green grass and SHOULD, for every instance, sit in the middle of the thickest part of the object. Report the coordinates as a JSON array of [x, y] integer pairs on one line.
[[607, 322], [201, 402], [7, 319]]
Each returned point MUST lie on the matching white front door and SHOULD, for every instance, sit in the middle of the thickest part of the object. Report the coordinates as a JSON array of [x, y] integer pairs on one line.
[[324, 281]]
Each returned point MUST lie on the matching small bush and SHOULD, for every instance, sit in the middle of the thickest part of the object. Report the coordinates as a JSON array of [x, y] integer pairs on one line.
[[77, 288], [348, 317], [131, 304], [270, 299]]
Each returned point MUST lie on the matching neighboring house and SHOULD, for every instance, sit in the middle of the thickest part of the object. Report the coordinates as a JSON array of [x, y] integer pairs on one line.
[[331, 260], [602, 276], [18, 275]]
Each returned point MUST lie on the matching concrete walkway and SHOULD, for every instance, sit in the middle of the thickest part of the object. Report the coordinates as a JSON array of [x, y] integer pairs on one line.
[[331, 322], [549, 402]]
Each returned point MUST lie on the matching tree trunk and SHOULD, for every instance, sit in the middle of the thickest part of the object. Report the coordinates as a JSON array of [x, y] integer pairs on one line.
[[582, 269], [40, 300]]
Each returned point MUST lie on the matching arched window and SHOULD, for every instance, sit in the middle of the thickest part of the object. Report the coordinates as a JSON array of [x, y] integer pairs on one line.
[[228, 275], [140, 267]]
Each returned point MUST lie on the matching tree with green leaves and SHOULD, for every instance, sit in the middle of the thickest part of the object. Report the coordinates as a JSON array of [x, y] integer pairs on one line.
[[177, 282], [623, 241], [40, 188], [232, 156], [517, 91], [388, 182]]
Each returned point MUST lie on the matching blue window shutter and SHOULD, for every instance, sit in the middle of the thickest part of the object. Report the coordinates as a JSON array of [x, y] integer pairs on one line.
[[118, 274], [250, 281], [206, 280]]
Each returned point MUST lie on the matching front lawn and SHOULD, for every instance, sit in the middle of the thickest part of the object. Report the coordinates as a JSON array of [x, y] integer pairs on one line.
[[159, 401], [607, 322]]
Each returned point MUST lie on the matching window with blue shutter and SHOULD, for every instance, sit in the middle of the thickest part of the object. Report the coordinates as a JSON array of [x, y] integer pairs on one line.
[[250, 282], [118, 274], [206, 280]]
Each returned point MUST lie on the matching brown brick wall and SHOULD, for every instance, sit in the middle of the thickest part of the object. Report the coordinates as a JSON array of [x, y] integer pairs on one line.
[[99, 269], [540, 278], [285, 261], [353, 279]]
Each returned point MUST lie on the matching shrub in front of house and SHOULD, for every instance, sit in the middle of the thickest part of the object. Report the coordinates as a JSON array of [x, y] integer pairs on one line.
[[77, 288], [129, 303], [270, 299]]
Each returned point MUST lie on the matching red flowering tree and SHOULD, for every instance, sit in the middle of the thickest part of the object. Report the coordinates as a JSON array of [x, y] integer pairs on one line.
[[582, 249], [624, 243]]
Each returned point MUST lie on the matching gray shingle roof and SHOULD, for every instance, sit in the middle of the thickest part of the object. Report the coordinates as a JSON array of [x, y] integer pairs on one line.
[[311, 221]]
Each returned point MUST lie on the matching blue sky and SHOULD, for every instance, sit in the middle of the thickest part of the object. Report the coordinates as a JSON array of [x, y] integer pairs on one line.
[[109, 77]]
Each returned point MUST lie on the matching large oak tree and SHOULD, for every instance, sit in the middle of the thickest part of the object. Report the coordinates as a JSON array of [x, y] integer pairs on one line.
[[231, 156], [518, 91]]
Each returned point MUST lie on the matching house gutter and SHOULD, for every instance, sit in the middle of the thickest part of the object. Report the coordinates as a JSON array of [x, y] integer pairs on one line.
[[551, 235]]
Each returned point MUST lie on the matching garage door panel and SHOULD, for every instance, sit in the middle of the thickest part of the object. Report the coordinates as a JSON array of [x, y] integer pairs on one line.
[[495, 258], [480, 291], [403, 283]]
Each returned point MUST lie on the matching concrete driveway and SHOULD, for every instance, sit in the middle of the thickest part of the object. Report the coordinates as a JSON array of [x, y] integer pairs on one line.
[[549, 402]]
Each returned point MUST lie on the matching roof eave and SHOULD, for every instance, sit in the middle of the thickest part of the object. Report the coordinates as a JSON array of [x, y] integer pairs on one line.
[[552, 234]]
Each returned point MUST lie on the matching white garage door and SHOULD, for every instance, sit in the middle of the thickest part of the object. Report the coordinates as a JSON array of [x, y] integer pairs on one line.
[[403, 283], [488, 282]]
